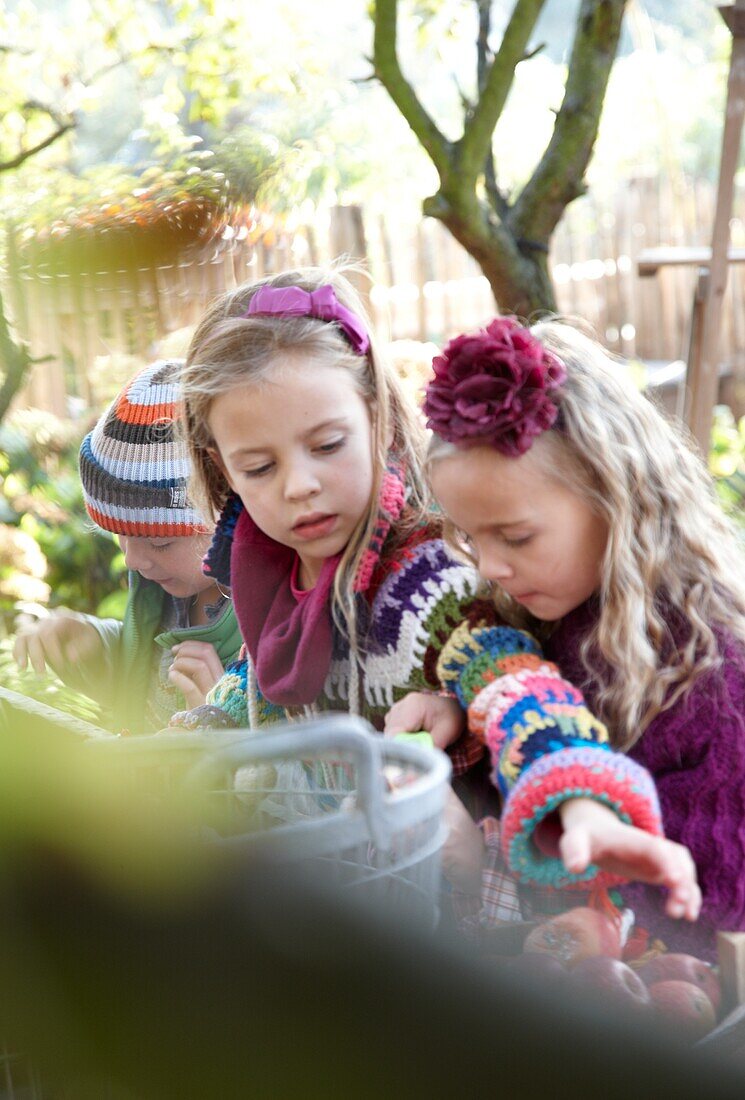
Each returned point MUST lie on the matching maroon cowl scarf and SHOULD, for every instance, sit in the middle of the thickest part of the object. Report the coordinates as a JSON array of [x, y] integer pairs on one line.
[[289, 640]]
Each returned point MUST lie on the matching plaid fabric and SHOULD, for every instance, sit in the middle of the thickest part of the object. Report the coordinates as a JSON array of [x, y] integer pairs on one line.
[[466, 752], [500, 898], [503, 898]]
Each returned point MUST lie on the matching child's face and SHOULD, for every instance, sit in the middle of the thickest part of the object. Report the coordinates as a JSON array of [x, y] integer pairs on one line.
[[297, 449], [173, 563], [532, 535]]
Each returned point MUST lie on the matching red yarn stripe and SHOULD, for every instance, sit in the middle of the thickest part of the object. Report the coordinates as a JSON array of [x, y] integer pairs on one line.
[[139, 528]]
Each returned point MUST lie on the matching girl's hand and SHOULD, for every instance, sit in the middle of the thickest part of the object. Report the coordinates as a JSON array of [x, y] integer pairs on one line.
[[62, 640], [594, 834], [463, 851], [439, 715], [195, 671]]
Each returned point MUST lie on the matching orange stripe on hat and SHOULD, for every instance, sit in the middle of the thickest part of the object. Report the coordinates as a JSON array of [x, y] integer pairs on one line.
[[142, 529], [131, 413]]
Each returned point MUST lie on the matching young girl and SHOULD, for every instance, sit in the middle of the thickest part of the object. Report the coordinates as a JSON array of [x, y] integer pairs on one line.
[[599, 530], [342, 584], [179, 630]]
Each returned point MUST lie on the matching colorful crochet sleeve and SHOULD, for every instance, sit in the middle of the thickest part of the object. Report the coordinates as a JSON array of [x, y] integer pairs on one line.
[[227, 704], [229, 693], [544, 744]]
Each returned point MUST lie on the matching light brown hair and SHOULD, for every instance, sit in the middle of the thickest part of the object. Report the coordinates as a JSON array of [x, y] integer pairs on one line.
[[230, 349]]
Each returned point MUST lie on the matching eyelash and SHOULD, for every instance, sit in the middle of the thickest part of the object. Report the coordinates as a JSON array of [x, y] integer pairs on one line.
[[324, 449], [163, 546], [518, 542]]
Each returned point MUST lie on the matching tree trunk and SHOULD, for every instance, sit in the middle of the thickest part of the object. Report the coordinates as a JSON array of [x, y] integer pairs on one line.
[[518, 274], [509, 240]]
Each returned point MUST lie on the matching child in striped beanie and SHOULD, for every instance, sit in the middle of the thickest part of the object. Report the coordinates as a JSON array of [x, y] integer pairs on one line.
[[179, 629]]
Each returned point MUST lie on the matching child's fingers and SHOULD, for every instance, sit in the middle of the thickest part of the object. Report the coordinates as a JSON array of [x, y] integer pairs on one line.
[[203, 652], [679, 875], [684, 901], [576, 849], [193, 670], [191, 692], [405, 716], [20, 652], [36, 654]]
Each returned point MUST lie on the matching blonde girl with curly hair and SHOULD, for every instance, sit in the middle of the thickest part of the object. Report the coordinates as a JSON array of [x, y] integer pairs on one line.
[[597, 528], [344, 589]]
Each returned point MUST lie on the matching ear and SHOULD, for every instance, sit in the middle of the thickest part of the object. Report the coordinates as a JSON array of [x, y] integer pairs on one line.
[[216, 458]]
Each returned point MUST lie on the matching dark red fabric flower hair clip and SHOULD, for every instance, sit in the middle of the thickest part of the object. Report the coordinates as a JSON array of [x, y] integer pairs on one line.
[[498, 385]]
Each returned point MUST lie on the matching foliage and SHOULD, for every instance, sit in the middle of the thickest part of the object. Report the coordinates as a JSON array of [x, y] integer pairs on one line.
[[41, 497], [47, 689], [727, 461]]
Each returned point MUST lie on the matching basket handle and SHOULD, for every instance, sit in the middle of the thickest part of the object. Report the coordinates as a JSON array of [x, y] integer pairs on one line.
[[331, 733]]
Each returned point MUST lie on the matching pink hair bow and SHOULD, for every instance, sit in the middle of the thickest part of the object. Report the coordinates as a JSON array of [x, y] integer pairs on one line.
[[293, 301]]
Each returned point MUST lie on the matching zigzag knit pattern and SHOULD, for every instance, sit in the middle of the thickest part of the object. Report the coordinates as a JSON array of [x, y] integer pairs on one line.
[[425, 593], [545, 746]]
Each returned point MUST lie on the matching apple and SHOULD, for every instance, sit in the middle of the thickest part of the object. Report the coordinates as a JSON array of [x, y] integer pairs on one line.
[[684, 1004], [537, 967], [683, 968], [576, 935], [612, 978]]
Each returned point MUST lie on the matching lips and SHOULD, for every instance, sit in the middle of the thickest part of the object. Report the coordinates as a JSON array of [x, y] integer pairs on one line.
[[525, 596], [314, 525]]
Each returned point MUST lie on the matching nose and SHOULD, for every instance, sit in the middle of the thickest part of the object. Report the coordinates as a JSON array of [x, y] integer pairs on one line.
[[136, 557], [494, 565], [301, 482]]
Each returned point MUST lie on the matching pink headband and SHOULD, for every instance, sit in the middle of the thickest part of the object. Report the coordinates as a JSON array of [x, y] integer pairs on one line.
[[293, 301], [497, 386]]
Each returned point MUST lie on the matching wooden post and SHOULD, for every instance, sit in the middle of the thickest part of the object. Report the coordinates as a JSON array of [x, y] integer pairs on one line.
[[347, 235], [703, 364], [731, 953]]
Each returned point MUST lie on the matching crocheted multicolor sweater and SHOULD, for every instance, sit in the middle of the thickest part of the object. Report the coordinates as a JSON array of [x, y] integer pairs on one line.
[[545, 747], [415, 597]]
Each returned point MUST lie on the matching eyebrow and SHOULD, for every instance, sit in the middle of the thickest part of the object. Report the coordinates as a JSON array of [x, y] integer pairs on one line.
[[333, 422]]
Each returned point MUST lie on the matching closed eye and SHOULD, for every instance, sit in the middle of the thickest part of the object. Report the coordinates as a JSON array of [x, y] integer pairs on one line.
[[329, 448], [259, 471], [518, 542]]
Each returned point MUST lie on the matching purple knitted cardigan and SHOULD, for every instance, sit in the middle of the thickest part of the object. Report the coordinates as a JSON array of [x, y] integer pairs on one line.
[[695, 752]]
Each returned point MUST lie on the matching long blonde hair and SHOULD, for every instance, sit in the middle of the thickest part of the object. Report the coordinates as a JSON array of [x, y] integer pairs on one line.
[[672, 557], [230, 349]]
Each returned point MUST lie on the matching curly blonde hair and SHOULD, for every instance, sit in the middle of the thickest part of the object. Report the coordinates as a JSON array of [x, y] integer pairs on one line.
[[229, 349], [672, 555]]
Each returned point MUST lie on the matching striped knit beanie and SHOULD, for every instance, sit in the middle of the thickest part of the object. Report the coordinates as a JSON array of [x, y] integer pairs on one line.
[[133, 469]]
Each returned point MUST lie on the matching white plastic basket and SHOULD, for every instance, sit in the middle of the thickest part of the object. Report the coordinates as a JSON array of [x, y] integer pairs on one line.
[[364, 811], [329, 794]]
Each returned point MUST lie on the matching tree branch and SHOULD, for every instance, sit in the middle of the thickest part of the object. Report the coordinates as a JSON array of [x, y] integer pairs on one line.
[[15, 359], [25, 154], [484, 57], [388, 72], [473, 146], [559, 177]]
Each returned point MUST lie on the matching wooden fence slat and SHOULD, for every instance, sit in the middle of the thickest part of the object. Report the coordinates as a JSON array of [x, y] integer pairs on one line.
[[427, 286]]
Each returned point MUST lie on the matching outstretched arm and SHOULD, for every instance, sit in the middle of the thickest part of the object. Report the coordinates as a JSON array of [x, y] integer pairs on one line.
[[575, 811]]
